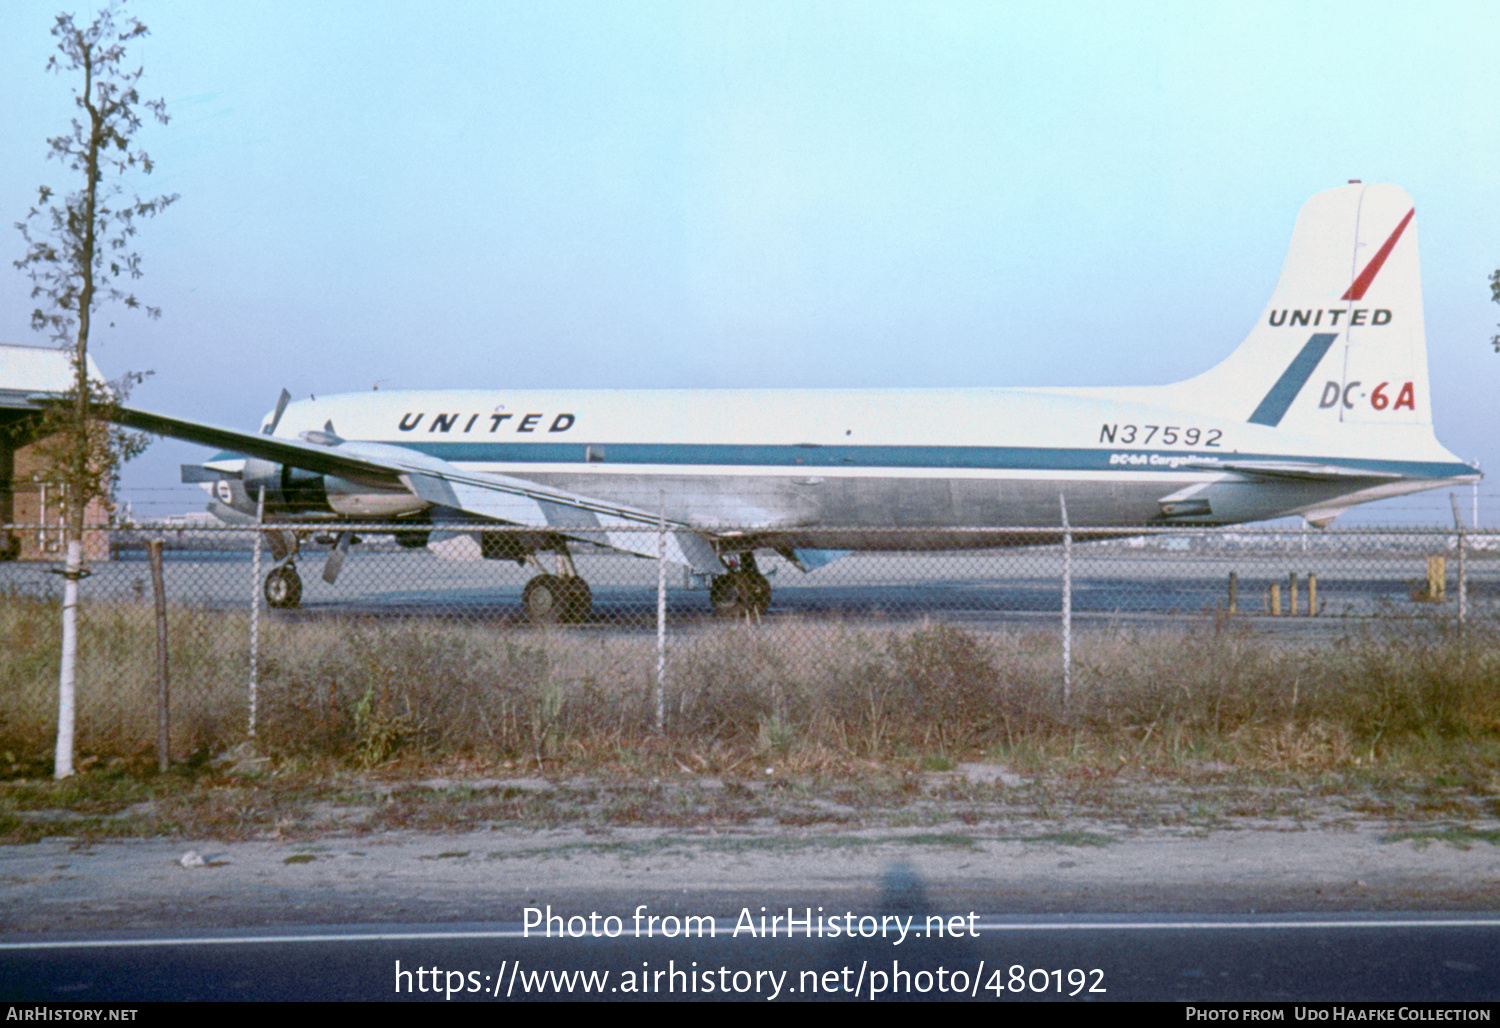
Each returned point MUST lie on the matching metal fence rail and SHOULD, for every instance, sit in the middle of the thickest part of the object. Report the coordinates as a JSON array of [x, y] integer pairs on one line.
[[456, 605]]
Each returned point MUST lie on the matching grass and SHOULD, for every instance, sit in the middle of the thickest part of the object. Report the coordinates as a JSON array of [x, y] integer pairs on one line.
[[779, 714], [303, 800], [795, 696], [1461, 837]]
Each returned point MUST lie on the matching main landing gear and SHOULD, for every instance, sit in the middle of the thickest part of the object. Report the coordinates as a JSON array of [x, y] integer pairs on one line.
[[742, 592], [563, 598], [554, 599]]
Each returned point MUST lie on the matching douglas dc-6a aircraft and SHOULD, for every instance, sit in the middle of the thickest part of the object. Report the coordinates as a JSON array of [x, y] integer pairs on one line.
[[1325, 405]]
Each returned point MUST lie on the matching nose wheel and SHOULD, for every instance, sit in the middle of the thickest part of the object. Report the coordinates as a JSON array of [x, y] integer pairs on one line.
[[283, 587]]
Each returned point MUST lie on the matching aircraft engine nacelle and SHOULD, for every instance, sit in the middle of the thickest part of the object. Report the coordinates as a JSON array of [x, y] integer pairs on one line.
[[291, 491]]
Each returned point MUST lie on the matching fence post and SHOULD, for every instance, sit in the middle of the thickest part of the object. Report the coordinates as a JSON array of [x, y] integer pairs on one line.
[[661, 615], [1067, 602], [1463, 577], [163, 688], [260, 518]]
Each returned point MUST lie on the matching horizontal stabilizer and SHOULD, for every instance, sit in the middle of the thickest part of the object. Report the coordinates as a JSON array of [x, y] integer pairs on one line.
[[1305, 471], [194, 474]]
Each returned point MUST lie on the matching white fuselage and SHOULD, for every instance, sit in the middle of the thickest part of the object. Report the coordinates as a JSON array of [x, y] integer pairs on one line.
[[774, 461]]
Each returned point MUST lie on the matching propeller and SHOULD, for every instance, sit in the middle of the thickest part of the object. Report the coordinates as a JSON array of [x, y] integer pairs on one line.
[[281, 402], [335, 562]]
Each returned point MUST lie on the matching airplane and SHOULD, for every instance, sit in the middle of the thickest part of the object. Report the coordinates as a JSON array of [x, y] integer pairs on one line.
[[1325, 405]]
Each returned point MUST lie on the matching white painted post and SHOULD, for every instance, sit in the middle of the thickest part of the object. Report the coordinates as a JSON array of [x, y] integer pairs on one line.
[[1463, 577], [163, 682], [1067, 602], [260, 536], [1463, 580], [62, 759], [661, 615]]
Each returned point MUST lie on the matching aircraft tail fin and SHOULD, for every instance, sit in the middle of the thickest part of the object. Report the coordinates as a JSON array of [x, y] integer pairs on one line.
[[1341, 342]]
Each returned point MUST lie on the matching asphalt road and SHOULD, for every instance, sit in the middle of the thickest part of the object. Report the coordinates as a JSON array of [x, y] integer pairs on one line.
[[1259, 913], [1409, 958]]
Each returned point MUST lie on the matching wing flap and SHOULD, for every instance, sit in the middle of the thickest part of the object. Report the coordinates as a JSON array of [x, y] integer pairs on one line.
[[519, 502]]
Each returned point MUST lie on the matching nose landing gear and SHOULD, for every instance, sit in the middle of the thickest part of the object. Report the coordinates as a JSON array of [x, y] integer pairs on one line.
[[283, 587]]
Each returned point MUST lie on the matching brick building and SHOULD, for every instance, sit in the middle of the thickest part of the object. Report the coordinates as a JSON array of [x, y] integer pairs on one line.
[[33, 509]]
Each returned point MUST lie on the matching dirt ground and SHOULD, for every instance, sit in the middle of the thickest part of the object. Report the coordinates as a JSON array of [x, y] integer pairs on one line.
[[977, 839]]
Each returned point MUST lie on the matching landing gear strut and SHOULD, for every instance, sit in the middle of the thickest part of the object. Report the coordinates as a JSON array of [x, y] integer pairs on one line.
[[743, 592], [283, 587], [563, 598]]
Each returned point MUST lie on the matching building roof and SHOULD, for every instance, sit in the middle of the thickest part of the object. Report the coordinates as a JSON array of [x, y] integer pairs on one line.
[[28, 370], [39, 369]]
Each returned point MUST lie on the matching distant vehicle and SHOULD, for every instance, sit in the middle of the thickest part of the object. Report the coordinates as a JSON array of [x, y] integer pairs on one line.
[[1324, 405]]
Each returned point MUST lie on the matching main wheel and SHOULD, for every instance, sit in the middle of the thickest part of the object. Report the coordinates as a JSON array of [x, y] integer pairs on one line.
[[723, 594], [740, 594], [545, 599], [577, 600], [283, 587], [755, 592]]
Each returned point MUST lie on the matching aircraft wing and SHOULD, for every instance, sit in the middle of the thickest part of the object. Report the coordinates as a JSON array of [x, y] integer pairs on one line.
[[323, 459], [519, 502], [496, 497]]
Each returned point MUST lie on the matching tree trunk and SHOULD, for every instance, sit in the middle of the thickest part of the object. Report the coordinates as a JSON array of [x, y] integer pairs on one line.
[[77, 494], [63, 761]]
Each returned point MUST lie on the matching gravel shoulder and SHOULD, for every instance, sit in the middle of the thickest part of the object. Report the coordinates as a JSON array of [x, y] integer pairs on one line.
[[978, 839]]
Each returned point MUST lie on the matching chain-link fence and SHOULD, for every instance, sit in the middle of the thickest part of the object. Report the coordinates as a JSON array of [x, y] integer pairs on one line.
[[509, 640]]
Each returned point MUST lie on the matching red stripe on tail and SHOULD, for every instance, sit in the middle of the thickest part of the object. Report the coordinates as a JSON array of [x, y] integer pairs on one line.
[[1357, 290]]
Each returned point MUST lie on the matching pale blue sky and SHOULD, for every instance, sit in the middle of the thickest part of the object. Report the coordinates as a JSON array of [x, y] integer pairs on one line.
[[781, 194]]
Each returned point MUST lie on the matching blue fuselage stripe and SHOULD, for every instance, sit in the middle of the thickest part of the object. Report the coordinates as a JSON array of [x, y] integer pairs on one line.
[[954, 458]]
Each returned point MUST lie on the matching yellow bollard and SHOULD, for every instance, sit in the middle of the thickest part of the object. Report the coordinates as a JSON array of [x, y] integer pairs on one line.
[[1291, 594], [1234, 591], [1312, 595], [1275, 599]]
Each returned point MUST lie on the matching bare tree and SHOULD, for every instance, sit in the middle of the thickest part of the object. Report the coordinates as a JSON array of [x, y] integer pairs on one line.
[[1495, 295], [78, 255]]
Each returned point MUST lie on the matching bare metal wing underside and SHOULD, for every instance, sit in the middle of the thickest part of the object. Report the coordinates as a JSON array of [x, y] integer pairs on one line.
[[500, 498]]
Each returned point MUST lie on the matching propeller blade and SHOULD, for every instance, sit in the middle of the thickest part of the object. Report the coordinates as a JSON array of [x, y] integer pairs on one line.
[[281, 402], [335, 562]]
